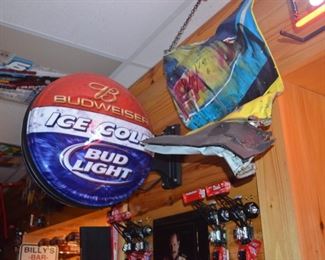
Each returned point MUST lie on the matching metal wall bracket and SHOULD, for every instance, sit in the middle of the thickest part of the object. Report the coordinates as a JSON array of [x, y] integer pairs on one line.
[[168, 166], [304, 38]]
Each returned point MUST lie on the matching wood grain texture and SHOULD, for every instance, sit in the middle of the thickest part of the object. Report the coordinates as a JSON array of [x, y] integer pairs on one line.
[[274, 184], [303, 117], [310, 77], [273, 16], [97, 218], [248, 192], [276, 200], [284, 192]]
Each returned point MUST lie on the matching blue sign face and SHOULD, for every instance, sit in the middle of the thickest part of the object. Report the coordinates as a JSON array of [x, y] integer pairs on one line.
[[85, 158], [96, 175]]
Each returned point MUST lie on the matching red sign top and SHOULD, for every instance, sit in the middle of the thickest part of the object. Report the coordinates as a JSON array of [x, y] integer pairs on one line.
[[95, 93]]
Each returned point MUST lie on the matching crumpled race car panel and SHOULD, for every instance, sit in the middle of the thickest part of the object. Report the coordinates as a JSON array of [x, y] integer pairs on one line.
[[239, 137], [259, 109], [209, 80]]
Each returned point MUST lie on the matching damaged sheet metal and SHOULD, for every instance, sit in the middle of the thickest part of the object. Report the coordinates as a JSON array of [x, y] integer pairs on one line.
[[230, 75], [223, 87], [236, 141]]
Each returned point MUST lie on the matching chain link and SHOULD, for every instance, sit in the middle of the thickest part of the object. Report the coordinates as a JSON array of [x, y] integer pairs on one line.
[[181, 31]]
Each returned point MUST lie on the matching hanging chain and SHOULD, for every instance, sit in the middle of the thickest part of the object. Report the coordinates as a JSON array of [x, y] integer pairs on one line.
[[181, 31]]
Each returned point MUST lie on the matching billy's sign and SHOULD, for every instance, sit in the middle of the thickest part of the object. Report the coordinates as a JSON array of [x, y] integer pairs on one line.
[[34, 252]]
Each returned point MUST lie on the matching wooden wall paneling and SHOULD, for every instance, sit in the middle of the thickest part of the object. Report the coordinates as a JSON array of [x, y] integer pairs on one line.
[[204, 171], [248, 192], [304, 138], [273, 16], [278, 216], [97, 218], [279, 225], [303, 117], [311, 76], [152, 93]]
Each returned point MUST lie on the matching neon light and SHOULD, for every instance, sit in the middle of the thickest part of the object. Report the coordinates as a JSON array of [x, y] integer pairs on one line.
[[320, 10], [316, 2]]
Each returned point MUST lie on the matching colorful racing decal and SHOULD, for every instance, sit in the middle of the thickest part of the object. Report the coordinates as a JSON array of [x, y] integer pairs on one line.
[[224, 74], [21, 79], [83, 138]]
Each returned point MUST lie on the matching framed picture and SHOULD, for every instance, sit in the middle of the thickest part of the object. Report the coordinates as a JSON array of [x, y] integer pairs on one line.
[[179, 237]]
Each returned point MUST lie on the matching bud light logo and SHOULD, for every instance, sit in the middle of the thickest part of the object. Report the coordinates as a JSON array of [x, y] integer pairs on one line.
[[85, 150], [101, 163]]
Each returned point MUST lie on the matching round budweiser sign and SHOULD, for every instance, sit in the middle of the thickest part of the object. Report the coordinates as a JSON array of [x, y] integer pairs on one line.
[[82, 141]]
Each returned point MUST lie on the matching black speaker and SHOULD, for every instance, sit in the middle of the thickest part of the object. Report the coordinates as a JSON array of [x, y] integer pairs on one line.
[[95, 243]]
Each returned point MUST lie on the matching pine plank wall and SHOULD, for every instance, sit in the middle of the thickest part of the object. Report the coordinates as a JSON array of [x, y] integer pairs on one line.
[[287, 185], [287, 232]]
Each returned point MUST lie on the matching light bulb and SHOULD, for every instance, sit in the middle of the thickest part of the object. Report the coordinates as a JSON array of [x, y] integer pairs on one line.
[[316, 2]]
